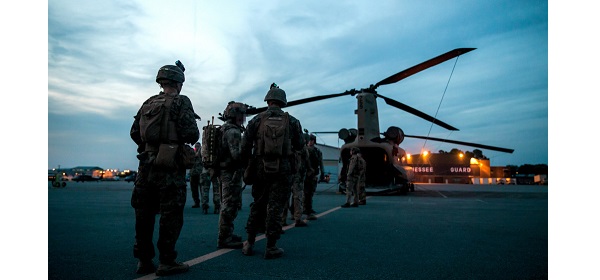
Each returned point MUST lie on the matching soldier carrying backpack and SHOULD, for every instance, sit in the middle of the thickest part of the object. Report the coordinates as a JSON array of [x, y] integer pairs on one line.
[[271, 139], [164, 123]]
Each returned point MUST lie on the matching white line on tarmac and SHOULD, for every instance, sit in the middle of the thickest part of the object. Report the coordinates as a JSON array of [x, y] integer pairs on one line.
[[220, 252]]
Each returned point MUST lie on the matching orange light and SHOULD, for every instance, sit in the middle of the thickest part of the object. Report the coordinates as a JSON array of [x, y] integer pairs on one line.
[[461, 155]]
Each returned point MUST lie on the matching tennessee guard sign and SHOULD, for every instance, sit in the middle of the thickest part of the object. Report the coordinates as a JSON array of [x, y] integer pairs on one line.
[[442, 170]]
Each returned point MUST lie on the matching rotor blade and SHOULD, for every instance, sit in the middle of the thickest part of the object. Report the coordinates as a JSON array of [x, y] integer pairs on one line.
[[422, 66], [252, 111], [415, 112], [504, 150], [317, 98]]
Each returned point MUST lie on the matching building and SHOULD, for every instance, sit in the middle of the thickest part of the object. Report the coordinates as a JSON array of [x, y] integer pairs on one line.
[[450, 168], [330, 160]]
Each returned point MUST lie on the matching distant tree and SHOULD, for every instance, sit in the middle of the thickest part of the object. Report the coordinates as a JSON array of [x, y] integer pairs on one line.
[[455, 151], [469, 155], [442, 152], [512, 170]]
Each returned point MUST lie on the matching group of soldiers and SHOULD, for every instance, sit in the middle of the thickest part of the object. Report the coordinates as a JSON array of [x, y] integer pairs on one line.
[[246, 156]]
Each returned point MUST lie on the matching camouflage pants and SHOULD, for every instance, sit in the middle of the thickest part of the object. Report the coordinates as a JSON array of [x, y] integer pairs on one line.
[[352, 190], [270, 194], [206, 178], [158, 192], [297, 199], [231, 201], [310, 186], [362, 194]]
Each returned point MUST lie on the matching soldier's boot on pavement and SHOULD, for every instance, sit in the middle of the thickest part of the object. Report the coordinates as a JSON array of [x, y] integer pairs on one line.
[[248, 249], [362, 202], [145, 267], [311, 217], [205, 209], [171, 268], [217, 209], [228, 243], [272, 251], [345, 205], [236, 238], [301, 223]]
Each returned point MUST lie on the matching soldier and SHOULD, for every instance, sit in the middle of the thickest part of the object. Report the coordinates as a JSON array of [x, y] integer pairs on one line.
[[271, 139], [208, 176], [160, 187], [297, 199], [232, 171], [195, 172], [356, 174], [310, 182]]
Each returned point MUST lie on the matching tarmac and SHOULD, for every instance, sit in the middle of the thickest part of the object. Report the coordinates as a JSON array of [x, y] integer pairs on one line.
[[439, 231]]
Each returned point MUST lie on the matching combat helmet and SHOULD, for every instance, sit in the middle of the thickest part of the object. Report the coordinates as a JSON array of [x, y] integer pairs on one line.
[[171, 72], [233, 109], [275, 93]]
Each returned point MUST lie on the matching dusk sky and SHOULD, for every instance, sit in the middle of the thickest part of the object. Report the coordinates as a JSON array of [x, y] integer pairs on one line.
[[97, 61], [103, 57]]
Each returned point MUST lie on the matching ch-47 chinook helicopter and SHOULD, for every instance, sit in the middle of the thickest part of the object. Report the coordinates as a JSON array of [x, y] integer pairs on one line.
[[386, 170]]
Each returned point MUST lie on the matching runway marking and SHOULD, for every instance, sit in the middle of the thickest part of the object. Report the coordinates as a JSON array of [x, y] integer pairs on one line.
[[426, 189], [220, 252]]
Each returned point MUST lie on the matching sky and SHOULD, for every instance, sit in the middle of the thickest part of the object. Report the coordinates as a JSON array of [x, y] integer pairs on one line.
[[79, 70], [103, 58]]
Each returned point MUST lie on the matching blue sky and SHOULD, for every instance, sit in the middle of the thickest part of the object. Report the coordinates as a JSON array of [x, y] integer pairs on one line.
[[103, 57]]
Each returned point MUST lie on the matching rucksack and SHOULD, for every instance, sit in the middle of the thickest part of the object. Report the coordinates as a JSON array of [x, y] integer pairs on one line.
[[211, 145], [274, 133], [154, 116]]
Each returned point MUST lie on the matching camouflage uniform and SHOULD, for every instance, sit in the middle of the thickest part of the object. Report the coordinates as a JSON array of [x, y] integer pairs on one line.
[[270, 191], [208, 176], [356, 175], [232, 171], [160, 191], [195, 172], [310, 182], [297, 198]]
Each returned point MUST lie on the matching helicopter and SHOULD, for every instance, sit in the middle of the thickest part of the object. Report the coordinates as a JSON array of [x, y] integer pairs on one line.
[[387, 170]]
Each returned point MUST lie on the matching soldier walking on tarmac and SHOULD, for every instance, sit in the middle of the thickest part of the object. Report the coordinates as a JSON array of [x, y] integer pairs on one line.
[[232, 171], [160, 187], [271, 139]]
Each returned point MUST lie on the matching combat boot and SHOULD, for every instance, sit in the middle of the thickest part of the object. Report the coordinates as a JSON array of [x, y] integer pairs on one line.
[[273, 252], [145, 267], [205, 209], [236, 238], [345, 205], [311, 217], [362, 202], [248, 249], [171, 268], [301, 223], [229, 244]]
